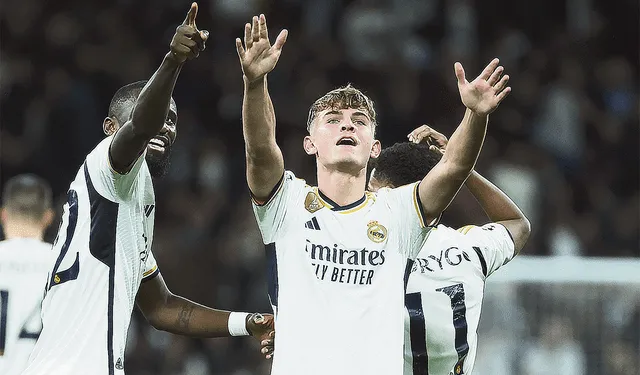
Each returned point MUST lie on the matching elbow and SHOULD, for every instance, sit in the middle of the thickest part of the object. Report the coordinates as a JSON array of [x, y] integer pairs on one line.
[[157, 317], [456, 170]]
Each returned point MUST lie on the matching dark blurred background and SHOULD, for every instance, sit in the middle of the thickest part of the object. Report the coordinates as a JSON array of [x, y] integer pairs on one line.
[[564, 145]]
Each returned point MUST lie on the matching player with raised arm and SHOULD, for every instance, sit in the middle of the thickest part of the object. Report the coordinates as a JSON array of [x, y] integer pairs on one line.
[[337, 255], [103, 248], [446, 284], [24, 262]]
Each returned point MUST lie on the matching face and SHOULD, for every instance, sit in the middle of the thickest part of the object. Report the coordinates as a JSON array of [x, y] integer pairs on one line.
[[159, 147], [342, 139]]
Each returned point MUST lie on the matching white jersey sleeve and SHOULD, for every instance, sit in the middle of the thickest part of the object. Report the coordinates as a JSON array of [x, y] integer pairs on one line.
[[107, 182], [271, 215], [405, 203], [151, 269], [493, 244]]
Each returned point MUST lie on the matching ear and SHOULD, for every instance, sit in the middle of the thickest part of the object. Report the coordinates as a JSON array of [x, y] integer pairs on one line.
[[376, 148], [308, 146], [109, 125], [47, 218]]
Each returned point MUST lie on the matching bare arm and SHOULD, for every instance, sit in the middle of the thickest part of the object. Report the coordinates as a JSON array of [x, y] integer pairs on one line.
[[265, 164], [500, 208], [168, 312], [481, 97], [148, 116]]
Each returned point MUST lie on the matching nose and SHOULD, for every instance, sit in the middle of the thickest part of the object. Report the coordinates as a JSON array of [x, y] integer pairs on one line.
[[347, 126]]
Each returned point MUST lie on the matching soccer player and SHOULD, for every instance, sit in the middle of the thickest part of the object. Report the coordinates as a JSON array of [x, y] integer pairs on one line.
[[103, 248], [446, 284], [25, 260], [337, 255]]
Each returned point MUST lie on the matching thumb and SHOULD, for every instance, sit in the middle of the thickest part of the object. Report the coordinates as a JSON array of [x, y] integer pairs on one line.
[[457, 67], [204, 34], [281, 39]]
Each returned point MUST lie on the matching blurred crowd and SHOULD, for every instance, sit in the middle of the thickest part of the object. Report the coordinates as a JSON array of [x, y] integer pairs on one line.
[[564, 145]]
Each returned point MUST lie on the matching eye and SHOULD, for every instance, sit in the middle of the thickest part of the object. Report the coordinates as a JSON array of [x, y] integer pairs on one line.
[[333, 121], [360, 122]]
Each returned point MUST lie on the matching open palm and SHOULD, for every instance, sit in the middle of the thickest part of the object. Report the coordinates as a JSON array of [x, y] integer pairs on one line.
[[258, 57], [483, 94]]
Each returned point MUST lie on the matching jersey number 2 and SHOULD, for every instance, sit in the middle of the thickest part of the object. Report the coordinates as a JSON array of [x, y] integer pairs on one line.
[[59, 277], [413, 302], [4, 312]]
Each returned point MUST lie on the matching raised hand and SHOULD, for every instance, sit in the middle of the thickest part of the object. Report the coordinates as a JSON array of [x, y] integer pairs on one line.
[[188, 41], [483, 94], [258, 57]]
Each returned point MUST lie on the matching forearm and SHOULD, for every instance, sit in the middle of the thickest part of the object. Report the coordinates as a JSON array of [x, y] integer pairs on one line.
[[465, 144], [500, 208], [184, 317], [258, 118], [152, 106], [265, 164], [495, 203]]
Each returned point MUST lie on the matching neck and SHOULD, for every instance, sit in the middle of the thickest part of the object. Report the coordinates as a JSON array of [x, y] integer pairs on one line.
[[22, 230], [341, 187]]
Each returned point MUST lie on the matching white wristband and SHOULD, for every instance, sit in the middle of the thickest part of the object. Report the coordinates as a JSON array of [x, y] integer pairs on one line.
[[238, 324]]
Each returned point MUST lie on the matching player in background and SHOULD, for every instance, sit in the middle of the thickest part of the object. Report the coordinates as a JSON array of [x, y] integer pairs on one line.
[[103, 249], [446, 284], [336, 254], [25, 260]]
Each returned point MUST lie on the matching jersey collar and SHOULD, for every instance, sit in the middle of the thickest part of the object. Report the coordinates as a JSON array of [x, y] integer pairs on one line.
[[336, 207]]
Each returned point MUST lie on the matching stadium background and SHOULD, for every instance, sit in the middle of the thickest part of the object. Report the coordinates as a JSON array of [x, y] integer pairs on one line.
[[564, 145]]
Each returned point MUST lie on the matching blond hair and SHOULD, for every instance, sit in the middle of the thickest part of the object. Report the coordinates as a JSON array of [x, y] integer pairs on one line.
[[343, 98]]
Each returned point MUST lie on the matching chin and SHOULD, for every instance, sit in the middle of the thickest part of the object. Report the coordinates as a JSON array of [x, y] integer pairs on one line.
[[158, 163]]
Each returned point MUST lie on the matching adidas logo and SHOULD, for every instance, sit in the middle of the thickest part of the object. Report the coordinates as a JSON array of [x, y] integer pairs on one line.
[[312, 224], [148, 209], [119, 365]]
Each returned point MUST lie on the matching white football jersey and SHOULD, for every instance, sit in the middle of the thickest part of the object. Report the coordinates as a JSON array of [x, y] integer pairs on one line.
[[102, 253], [444, 297], [336, 277], [24, 263]]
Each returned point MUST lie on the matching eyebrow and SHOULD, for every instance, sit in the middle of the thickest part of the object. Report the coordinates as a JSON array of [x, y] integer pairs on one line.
[[356, 113]]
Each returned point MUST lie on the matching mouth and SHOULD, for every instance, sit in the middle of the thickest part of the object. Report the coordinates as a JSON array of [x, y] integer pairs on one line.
[[159, 143], [347, 141]]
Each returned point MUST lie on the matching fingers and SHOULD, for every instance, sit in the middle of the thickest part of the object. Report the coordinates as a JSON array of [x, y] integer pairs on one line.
[[248, 42], [255, 29], [457, 67], [495, 76], [191, 15], [502, 84], [262, 27], [503, 94], [239, 49], [486, 73], [281, 39]]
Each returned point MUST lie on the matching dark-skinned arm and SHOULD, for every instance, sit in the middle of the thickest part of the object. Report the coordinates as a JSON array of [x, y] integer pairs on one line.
[[168, 312], [149, 114], [500, 208]]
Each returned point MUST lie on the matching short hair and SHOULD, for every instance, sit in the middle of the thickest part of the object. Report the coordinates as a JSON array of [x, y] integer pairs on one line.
[[404, 163], [342, 98], [27, 195], [124, 100]]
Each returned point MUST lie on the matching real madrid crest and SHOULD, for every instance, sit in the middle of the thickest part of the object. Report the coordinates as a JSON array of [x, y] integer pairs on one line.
[[312, 202], [376, 231]]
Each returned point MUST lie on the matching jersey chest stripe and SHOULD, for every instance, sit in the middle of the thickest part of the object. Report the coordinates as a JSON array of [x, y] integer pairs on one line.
[[102, 245], [272, 273]]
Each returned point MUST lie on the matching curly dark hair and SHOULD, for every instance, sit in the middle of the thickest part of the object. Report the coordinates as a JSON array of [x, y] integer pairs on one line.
[[404, 163]]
